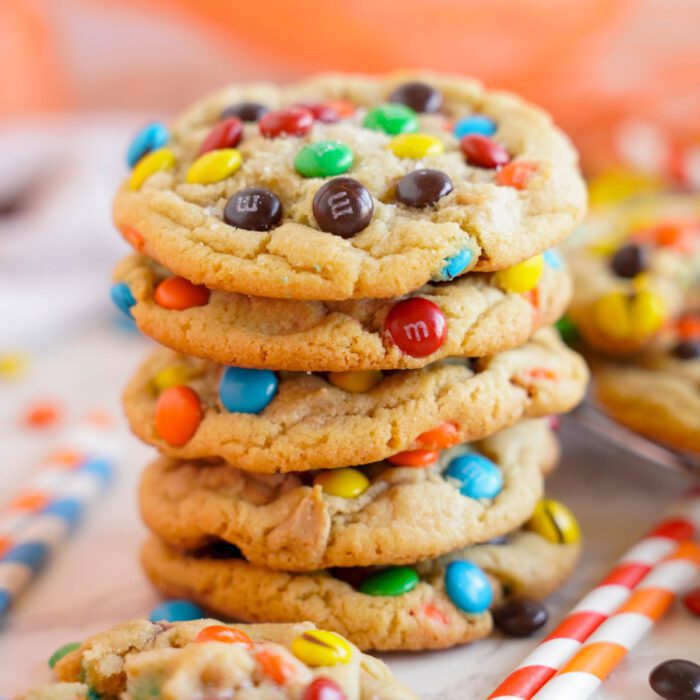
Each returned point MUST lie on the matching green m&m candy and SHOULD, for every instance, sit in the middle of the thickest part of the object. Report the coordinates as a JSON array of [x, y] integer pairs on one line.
[[394, 581], [323, 159], [392, 119], [60, 653]]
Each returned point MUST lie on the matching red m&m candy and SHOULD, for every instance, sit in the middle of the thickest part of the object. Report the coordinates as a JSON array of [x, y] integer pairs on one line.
[[177, 293], [417, 326], [293, 121], [324, 689], [323, 111], [414, 458], [178, 415], [483, 152], [516, 174], [226, 134], [227, 635]]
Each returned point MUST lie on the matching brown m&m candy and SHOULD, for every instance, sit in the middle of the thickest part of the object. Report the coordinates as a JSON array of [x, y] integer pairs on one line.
[[420, 97], [520, 617], [245, 111], [422, 188], [687, 350], [253, 209], [629, 261], [343, 206]]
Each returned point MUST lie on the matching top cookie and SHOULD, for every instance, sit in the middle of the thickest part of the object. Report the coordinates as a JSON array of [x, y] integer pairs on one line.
[[349, 187], [635, 267]]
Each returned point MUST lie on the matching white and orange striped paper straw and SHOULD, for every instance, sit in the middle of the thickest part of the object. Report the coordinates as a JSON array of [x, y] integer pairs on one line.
[[601, 602], [579, 678]]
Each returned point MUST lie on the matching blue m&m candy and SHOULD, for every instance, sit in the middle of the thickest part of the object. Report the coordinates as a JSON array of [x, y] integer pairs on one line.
[[247, 390], [468, 587], [477, 475], [123, 298], [474, 124], [455, 265], [176, 611], [553, 259], [152, 137]]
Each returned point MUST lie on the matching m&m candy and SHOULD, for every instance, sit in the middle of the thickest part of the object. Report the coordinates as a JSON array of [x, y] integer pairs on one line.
[[482, 152], [253, 209], [468, 587], [245, 111], [520, 617], [292, 121], [225, 635], [321, 648], [178, 294], [392, 119], [226, 134], [345, 483], [323, 159], [414, 458], [442, 436], [357, 382], [522, 277], [686, 350], [515, 174], [629, 261], [417, 95], [553, 259], [423, 188], [176, 611], [244, 390], [63, 651], [416, 146], [177, 415], [555, 522], [619, 315], [455, 265], [152, 137], [417, 326], [172, 376], [343, 206], [155, 161], [474, 124], [676, 679], [323, 689], [325, 112], [393, 581], [274, 665], [214, 166], [122, 298], [477, 475]]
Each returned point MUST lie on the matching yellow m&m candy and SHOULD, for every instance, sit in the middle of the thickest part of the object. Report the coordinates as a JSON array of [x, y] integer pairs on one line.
[[214, 166], [346, 483], [521, 277], [355, 382], [555, 522], [416, 146], [321, 648], [621, 316], [172, 376], [155, 161]]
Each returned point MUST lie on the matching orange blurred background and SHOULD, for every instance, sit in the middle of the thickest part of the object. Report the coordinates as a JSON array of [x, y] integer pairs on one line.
[[600, 66]]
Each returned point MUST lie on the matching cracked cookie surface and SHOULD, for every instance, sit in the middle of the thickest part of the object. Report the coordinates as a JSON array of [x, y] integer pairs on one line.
[[482, 318], [486, 220], [140, 659], [308, 423], [423, 618], [404, 513]]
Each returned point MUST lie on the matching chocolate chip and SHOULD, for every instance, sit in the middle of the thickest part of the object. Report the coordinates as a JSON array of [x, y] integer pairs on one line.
[[629, 261], [254, 209], [246, 111], [687, 350], [421, 188], [676, 679], [420, 97], [343, 206], [520, 617]]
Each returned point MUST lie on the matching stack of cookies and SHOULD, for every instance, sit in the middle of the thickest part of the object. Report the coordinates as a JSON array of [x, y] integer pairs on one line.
[[636, 268], [353, 279]]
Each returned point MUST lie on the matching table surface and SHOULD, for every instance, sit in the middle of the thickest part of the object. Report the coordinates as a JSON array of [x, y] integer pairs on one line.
[[94, 580]]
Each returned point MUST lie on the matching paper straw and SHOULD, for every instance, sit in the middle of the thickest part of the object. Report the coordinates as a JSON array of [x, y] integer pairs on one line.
[[601, 602], [580, 677]]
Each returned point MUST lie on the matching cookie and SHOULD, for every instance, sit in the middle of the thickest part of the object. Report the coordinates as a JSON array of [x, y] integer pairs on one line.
[[657, 393], [383, 514], [205, 658], [341, 188], [635, 267], [263, 421], [430, 605], [483, 314]]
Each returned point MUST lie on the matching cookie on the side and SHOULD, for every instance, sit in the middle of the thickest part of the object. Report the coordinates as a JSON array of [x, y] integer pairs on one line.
[[349, 186]]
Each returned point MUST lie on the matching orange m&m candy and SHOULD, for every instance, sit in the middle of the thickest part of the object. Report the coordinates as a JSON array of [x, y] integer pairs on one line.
[[688, 327], [178, 415], [414, 458], [516, 174], [227, 635], [177, 293], [444, 435], [274, 666], [134, 238]]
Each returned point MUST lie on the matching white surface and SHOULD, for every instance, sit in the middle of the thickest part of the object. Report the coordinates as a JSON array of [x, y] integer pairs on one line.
[[95, 580]]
